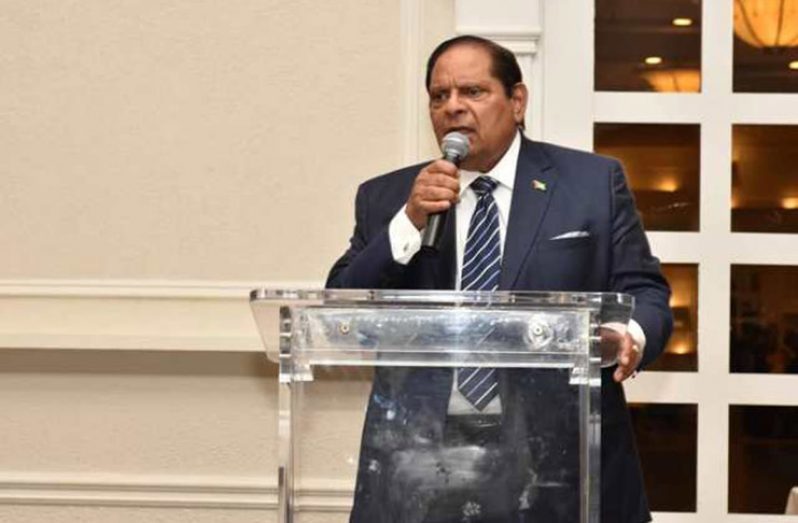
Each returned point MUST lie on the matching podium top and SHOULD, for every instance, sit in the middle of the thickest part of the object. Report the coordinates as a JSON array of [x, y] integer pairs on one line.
[[449, 298], [432, 327]]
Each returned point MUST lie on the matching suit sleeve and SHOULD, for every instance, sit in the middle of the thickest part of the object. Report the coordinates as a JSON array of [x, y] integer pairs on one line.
[[369, 262], [636, 271]]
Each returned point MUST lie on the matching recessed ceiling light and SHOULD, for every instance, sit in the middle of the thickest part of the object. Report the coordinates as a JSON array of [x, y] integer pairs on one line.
[[682, 22], [794, 65], [653, 60]]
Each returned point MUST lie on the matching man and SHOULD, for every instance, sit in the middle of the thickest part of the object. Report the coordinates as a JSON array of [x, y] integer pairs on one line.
[[551, 219]]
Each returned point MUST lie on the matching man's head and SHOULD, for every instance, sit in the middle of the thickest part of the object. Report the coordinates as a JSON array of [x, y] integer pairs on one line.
[[475, 87]]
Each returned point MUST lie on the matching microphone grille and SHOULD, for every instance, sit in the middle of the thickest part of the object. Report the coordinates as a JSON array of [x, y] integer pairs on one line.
[[455, 144]]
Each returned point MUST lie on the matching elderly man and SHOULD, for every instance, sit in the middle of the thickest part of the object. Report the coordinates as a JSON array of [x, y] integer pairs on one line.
[[522, 215]]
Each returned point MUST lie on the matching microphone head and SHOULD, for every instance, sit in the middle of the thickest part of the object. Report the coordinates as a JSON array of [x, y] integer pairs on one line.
[[455, 147]]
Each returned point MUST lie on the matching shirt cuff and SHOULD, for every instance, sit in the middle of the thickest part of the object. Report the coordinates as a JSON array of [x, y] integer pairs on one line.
[[404, 237]]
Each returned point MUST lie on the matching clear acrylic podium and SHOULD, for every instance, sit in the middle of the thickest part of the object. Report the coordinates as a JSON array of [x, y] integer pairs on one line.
[[391, 356]]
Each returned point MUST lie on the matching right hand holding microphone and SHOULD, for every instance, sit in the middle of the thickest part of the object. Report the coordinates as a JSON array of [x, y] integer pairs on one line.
[[435, 190]]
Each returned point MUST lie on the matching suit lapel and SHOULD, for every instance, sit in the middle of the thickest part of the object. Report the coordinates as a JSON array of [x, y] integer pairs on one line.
[[535, 181]]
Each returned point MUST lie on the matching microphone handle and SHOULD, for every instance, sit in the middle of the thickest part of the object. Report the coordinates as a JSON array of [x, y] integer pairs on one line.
[[431, 239]]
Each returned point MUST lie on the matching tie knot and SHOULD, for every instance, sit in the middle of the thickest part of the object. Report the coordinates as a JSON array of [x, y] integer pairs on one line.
[[484, 185]]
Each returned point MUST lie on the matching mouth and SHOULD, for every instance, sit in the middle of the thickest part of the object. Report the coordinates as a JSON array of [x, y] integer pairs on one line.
[[461, 129]]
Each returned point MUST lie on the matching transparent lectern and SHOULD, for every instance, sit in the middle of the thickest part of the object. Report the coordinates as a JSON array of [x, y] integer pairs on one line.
[[374, 425]]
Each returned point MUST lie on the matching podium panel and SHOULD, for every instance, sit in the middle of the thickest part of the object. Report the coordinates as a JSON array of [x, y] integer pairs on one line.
[[378, 390]]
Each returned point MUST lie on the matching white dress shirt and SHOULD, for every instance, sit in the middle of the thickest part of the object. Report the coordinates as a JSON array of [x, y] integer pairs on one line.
[[405, 242]]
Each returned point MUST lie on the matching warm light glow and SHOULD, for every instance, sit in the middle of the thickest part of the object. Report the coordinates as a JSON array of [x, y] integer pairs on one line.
[[767, 23], [678, 300], [674, 80], [653, 60], [680, 348], [793, 65], [682, 22], [669, 185], [790, 203]]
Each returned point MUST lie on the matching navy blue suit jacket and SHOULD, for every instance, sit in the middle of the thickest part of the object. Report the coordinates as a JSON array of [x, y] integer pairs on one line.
[[584, 192]]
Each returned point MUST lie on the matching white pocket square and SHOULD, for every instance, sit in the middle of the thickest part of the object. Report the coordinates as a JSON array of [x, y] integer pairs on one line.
[[571, 234]]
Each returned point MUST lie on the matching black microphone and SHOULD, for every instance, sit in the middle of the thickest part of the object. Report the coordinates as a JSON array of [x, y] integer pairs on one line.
[[455, 148]]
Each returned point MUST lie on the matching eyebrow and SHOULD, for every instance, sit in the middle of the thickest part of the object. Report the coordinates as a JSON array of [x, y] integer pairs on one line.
[[464, 85]]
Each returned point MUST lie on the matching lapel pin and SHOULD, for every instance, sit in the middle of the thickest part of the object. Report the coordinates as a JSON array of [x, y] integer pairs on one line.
[[538, 185]]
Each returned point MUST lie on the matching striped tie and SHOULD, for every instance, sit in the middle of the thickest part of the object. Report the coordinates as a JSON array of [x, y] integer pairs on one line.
[[481, 270]]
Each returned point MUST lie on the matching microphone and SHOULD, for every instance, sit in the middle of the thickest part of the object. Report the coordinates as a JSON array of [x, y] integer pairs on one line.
[[455, 149]]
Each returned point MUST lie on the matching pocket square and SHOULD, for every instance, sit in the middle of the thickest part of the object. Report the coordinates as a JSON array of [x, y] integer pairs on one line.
[[571, 234]]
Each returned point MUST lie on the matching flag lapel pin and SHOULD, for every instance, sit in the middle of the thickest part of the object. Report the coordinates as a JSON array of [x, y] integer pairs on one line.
[[538, 185]]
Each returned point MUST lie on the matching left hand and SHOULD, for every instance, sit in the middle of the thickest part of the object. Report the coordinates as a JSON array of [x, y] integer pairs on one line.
[[628, 354]]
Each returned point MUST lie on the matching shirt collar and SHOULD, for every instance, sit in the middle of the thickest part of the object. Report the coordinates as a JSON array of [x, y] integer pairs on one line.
[[503, 172]]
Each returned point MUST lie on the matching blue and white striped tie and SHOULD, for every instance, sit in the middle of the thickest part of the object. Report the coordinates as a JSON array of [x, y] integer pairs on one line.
[[481, 269]]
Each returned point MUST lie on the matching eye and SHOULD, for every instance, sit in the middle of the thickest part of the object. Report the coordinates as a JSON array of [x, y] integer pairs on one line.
[[438, 97], [473, 91]]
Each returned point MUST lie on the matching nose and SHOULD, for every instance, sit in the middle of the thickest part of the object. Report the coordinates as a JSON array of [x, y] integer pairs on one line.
[[454, 104]]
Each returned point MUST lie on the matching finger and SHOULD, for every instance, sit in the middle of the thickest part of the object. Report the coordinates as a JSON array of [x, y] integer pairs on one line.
[[435, 194], [626, 357], [435, 207], [627, 362], [624, 369], [443, 167], [622, 372], [444, 180], [437, 180]]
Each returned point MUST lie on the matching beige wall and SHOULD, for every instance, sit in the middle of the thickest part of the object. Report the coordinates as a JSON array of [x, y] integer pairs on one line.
[[191, 139], [158, 158]]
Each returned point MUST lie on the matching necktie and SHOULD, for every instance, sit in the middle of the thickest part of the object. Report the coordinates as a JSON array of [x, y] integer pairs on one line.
[[481, 270]]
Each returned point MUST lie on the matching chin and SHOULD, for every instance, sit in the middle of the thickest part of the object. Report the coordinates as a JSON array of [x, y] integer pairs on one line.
[[471, 166]]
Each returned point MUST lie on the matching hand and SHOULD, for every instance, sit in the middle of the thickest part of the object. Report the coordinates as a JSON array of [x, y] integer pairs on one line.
[[436, 189], [623, 350], [629, 356]]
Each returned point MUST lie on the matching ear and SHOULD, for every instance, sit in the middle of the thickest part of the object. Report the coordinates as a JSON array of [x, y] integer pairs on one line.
[[519, 99]]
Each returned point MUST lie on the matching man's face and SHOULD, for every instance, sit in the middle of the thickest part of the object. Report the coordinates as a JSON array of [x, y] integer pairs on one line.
[[466, 97]]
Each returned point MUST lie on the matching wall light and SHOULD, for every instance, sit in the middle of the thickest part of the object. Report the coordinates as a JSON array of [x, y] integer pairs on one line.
[[793, 65], [767, 24], [789, 203], [674, 80], [668, 185], [653, 60], [682, 22], [681, 349]]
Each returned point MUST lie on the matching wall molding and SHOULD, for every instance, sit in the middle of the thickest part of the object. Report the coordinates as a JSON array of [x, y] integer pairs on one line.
[[139, 491], [143, 288], [168, 491], [173, 315]]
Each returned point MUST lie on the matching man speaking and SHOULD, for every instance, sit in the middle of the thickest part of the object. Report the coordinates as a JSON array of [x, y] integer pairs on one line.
[[519, 215]]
